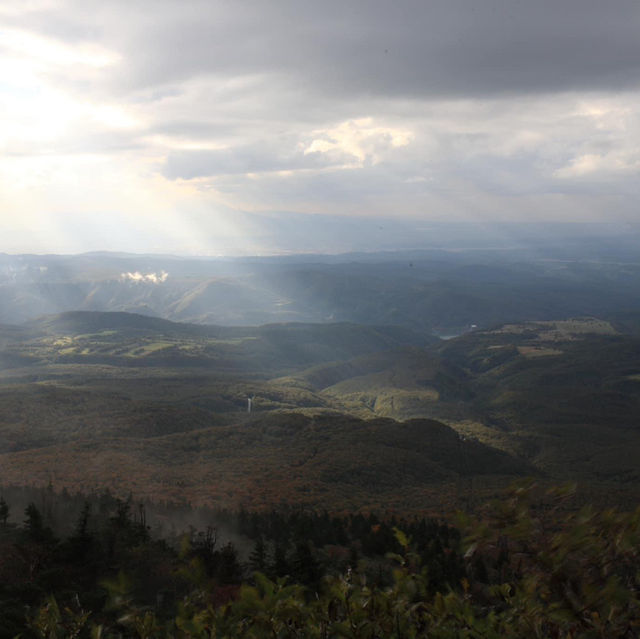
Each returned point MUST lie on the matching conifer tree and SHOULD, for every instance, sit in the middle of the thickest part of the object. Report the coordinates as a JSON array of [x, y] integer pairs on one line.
[[258, 556], [4, 511], [280, 566], [34, 525], [305, 567]]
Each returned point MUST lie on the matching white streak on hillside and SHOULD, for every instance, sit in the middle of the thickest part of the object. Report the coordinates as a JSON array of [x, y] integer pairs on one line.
[[146, 278]]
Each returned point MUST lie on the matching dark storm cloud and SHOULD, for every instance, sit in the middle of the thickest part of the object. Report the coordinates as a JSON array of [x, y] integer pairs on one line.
[[165, 109], [378, 48]]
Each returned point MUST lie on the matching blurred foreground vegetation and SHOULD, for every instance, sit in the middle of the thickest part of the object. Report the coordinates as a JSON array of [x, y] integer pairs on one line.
[[528, 565]]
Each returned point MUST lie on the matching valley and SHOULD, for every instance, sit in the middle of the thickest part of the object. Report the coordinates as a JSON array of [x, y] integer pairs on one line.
[[343, 416]]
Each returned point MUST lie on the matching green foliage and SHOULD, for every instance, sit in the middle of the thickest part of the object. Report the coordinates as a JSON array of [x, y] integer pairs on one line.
[[532, 569], [52, 622], [562, 575]]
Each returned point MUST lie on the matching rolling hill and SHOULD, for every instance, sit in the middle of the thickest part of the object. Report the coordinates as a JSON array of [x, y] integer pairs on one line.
[[325, 461], [340, 413]]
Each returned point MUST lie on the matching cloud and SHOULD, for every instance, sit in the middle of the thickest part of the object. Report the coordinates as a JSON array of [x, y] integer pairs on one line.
[[362, 139], [44, 51], [243, 160], [151, 111], [363, 48], [145, 278], [349, 144], [409, 48], [607, 166]]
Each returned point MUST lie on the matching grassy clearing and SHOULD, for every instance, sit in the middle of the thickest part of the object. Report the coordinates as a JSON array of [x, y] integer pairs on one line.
[[149, 347], [558, 330], [538, 351]]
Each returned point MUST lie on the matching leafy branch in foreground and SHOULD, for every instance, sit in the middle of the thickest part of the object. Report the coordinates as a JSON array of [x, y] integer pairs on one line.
[[533, 569]]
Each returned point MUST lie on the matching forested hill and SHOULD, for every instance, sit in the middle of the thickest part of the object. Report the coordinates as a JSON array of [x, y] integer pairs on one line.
[[100, 399], [329, 461]]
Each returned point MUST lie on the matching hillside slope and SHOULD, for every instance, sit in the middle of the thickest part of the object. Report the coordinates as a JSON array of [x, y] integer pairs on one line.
[[331, 461], [332, 408]]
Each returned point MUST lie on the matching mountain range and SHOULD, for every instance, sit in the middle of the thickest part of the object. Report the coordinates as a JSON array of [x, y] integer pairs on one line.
[[441, 292]]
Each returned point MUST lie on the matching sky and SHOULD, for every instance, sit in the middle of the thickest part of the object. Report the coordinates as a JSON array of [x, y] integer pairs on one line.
[[199, 127]]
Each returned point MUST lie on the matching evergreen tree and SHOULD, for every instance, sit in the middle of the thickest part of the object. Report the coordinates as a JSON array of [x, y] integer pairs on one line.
[[81, 541], [4, 511], [34, 526], [258, 556], [228, 568], [305, 567], [280, 567]]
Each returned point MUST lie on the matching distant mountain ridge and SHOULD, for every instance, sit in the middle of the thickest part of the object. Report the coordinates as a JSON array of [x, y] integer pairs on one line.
[[90, 321], [443, 293]]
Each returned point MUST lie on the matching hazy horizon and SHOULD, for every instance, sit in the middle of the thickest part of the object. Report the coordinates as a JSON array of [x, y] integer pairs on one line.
[[290, 235]]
